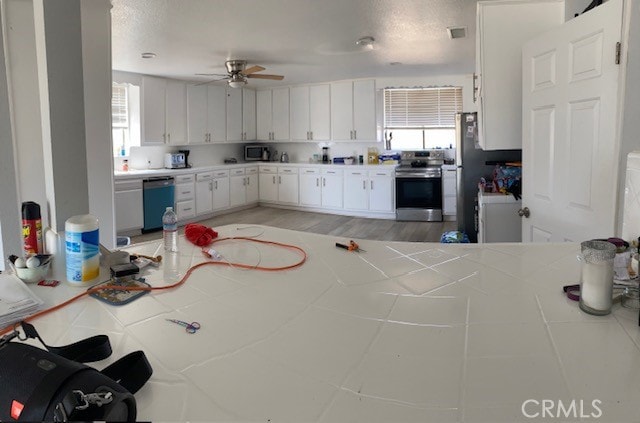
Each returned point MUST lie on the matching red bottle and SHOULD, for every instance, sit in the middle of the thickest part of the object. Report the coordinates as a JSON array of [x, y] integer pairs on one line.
[[31, 228]]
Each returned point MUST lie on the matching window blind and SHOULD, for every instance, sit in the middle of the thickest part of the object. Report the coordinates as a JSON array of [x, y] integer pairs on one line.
[[421, 108], [119, 106]]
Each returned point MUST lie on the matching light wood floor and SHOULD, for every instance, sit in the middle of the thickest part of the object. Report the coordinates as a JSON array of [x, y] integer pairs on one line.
[[328, 224]]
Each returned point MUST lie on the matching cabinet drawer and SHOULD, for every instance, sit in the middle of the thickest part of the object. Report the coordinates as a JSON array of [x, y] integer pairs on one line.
[[127, 185], [382, 172], [185, 192], [220, 173], [204, 176], [356, 173], [185, 209], [288, 170], [307, 171], [237, 172], [251, 170], [183, 179], [337, 172], [268, 169]]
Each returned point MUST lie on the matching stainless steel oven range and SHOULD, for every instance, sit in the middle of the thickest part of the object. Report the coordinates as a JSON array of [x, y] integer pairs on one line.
[[419, 186]]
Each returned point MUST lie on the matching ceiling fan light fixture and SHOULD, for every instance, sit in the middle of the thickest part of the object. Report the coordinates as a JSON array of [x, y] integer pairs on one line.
[[237, 81]]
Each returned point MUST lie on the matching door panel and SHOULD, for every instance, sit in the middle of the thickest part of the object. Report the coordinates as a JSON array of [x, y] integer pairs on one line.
[[570, 98]]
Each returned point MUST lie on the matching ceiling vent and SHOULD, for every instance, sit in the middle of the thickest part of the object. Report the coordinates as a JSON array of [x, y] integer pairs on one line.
[[457, 32]]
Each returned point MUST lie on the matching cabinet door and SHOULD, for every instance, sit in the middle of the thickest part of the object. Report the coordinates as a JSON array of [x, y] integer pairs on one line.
[[249, 114], [128, 205], [263, 115], [204, 196], [238, 191], [381, 188], [364, 110], [234, 114], [176, 108], [153, 113], [221, 193], [288, 188], [332, 189], [217, 113], [300, 113], [310, 188], [252, 188], [280, 114], [342, 110], [268, 187], [356, 192], [320, 112], [197, 114]]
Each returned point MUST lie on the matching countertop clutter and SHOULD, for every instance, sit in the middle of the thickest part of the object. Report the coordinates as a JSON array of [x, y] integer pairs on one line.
[[398, 332]]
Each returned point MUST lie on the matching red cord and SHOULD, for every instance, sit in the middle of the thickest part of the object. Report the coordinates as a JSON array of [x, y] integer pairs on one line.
[[181, 281]]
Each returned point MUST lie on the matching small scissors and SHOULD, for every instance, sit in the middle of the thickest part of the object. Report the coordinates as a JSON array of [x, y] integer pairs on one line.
[[192, 327]]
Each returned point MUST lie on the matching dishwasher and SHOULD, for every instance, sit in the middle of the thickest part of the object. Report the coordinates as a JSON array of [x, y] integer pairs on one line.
[[157, 195]]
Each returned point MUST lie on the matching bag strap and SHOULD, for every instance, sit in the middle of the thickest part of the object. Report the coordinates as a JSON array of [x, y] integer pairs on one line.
[[86, 350], [131, 371]]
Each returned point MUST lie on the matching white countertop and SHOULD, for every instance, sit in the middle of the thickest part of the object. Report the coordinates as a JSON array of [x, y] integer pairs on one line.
[[402, 332], [142, 173], [496, 198]]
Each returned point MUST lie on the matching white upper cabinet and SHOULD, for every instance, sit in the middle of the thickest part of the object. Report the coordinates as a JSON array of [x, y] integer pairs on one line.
[[153, 102], [311, 113], [248, 114], [272, 114], [502, 28], [164, 111], [353, 110], [206, 114]]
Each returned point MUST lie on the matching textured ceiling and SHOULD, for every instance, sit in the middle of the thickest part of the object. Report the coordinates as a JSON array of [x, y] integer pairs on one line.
[[304, 40]]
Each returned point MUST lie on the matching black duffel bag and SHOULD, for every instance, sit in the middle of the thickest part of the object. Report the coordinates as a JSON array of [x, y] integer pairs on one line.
[[54, 385]]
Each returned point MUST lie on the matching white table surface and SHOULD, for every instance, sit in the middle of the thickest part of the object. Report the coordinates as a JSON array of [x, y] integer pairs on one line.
[[402, 332]]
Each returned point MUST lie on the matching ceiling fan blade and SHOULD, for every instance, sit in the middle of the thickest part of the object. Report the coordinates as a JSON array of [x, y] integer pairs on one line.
[[263, 76], [253, 69], [210, 81]]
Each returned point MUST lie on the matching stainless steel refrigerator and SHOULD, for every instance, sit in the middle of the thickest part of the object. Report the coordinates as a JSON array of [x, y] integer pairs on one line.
[[474, 163]]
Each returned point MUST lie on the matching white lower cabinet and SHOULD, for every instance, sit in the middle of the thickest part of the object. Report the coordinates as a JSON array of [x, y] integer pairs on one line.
[[332, 188], [310, 187], [212, 191], [243, 186], [371, 190], [279, 184], [128, 205], [185, 197]]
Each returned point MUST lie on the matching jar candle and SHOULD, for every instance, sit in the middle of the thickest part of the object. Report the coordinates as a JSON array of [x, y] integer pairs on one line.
[[596, 282]]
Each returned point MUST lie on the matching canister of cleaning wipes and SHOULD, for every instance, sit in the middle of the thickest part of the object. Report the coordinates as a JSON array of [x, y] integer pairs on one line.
[[31, 228], [82, 247]]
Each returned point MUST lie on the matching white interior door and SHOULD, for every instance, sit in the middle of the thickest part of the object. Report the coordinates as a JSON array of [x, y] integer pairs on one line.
[[569, 149]]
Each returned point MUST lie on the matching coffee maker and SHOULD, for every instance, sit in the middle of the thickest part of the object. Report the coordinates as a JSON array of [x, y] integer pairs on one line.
[[325, 155], [186, 157]]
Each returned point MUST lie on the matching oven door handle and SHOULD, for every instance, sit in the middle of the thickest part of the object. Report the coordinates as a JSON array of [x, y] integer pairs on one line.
[[417, 175]]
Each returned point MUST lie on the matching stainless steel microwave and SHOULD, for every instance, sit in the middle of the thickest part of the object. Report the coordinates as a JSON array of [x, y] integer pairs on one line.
[[256, 152]]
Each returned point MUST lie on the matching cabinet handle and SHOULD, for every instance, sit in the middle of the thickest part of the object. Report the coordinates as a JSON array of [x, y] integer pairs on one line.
[[216, 185], [164, 138], [324, 182], [187, 209], [280, 179], [248, 181], [364, 184], [311, 135], [169, 137], [317, 182], [351, 134], [355, 134], [244, 182], [210, 186], [274, 179], [185, 192]]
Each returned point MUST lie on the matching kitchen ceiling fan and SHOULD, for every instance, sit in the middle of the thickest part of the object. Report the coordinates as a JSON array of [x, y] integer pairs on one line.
[[237, 74]]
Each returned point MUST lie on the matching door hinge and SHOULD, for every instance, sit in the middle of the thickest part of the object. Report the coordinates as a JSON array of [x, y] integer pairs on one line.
[[618, 52]]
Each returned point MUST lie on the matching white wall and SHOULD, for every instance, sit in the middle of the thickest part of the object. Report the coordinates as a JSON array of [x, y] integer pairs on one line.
[[630, 98], [96, 60], [10, 228]]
